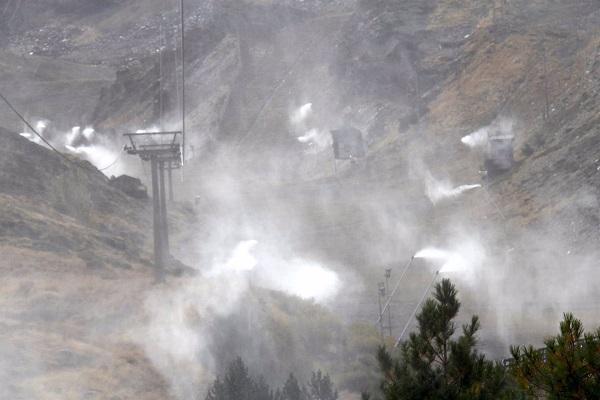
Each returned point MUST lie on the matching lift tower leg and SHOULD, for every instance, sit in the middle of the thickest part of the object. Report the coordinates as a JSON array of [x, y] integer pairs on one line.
[[158, 257], [160, 149], [170, 182], [163, 213]]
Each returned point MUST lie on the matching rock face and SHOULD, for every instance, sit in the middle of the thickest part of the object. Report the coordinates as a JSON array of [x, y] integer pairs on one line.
[[74, 253], [131, 186], [415, 76]]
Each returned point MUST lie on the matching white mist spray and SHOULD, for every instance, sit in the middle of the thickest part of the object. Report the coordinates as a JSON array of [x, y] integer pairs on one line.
[[501, 126], [437, 190], [182, 316], [303, 278], [300, 115], [464, 259], [479, 138], [40, 127], [317, 139]]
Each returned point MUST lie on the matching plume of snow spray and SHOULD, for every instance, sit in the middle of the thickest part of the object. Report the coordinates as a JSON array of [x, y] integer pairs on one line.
[[96, 149], [317, 139], [479, 138], [40, 127], [32, 138], [182, 317], [83, 143], [451, 261], [309, 136], [465, 258], [437, 191], [89, 132], [500, 127], [300, 115], [72, 136], [241, 259], [302, 278]]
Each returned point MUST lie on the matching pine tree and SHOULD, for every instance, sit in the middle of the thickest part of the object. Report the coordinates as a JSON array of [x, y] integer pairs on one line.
[[239, 385], [433, 365], [261, 391], [216, 391], [320, 387], [237, 381], [292, 390], [567, 368]]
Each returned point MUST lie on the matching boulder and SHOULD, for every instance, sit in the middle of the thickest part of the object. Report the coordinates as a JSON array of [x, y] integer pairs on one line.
[[130, 186]]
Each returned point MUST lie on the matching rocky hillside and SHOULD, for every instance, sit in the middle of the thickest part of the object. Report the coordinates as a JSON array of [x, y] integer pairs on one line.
[[84, 316], [75, 264], [414, 76]]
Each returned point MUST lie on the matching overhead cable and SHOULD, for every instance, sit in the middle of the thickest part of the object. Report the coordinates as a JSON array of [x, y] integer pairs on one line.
[[416, 309], [47, 143], [8, 103], [387, 304]]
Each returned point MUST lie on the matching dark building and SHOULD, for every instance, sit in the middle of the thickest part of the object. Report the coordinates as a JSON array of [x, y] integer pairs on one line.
[[499, 155], [348, 144]]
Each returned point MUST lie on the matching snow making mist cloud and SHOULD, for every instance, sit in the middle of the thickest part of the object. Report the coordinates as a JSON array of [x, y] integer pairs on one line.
[[501, 126], [316, 138], [475, 139], [241, 259], [437, 190], [303, 278], [451, 262], [464, 259], [85, 143], [41, 126], [182, 316], [299, 115]]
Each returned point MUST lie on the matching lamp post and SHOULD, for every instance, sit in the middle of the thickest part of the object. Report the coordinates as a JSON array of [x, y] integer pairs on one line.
[[388, 275], [380, 295], [404, 271]]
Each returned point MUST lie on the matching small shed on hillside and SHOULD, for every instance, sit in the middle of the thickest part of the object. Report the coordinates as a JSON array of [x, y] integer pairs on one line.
[[499, 155], [348, 143]]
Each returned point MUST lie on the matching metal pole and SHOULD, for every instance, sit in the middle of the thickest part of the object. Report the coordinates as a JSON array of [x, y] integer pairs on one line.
[[163, 212], [160, 78], [170, 181], [437, 273], [380, 312], [387, 304], [388, 274], [158, 258], [182, 84]]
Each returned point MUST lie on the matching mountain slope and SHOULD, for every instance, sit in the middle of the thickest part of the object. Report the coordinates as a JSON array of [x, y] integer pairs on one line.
[[413, 76], [75, 266]]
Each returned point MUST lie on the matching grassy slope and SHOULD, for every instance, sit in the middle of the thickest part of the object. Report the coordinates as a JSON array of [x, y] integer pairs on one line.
[[499, 71], [75, 267]]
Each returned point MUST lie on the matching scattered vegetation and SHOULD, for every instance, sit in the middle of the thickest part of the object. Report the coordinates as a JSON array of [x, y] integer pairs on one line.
[[568, 367], [238, 384], [437, 363], [432, 364]]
